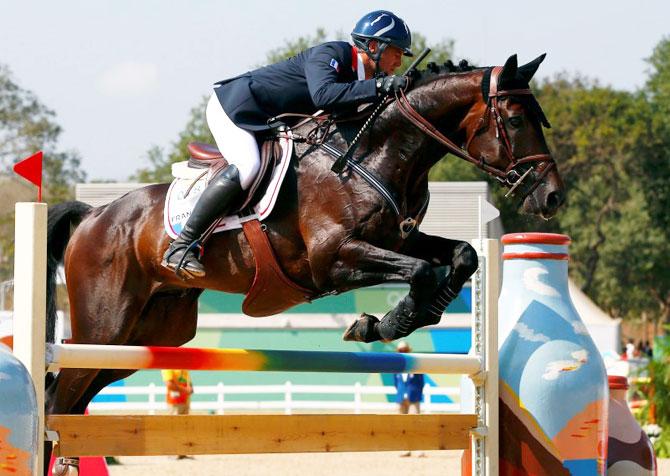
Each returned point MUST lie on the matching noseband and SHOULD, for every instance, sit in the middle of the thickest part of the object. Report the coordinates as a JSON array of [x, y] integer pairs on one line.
[[510, 176]]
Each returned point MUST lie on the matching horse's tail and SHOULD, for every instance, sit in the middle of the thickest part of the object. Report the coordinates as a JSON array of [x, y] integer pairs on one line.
[[63, 218]]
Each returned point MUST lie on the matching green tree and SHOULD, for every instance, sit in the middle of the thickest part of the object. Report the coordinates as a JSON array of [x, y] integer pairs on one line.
[[596, 137], [26, 126], [654, 168], [160, 160], [294, 46], [440, 52]]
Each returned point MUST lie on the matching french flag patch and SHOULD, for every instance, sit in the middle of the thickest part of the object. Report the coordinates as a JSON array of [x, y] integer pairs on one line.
[[335, 64]]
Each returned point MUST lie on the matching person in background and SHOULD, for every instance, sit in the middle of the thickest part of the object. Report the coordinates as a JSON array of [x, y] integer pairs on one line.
[[630, 349], [647, 349], [179, 390], [409, 386], [410, 390]]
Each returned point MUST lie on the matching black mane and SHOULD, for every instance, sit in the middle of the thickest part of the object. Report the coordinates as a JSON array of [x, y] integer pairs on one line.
[[434, 70]]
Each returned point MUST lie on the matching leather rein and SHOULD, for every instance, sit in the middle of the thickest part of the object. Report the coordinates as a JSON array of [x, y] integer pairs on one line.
[[510, 176]]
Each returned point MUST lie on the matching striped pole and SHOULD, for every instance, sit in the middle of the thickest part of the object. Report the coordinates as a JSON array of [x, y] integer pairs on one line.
[[91, 356]]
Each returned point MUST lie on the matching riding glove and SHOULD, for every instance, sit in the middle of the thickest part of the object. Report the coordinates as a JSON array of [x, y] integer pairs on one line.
[[390, 84]]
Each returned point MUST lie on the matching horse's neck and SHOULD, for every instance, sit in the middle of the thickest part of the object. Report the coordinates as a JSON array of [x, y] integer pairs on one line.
[[407, 154]]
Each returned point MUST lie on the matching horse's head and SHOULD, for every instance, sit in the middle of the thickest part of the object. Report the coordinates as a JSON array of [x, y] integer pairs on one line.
[[503, 131]]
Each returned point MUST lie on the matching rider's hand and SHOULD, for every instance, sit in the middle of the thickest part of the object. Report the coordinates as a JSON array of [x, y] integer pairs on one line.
[[390, 84]]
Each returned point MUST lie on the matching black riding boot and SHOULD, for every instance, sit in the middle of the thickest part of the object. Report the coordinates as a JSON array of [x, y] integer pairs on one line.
[[183, 254]]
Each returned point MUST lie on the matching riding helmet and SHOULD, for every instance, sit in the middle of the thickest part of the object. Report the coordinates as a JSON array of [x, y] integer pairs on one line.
[[386, 28]]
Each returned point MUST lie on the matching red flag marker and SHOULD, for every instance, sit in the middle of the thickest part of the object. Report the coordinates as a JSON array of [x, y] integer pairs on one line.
[[31, 170]]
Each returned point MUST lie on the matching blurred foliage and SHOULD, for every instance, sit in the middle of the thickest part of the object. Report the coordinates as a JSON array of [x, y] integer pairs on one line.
[[659, 372], [160, 160], [26, 126], [293, 47]]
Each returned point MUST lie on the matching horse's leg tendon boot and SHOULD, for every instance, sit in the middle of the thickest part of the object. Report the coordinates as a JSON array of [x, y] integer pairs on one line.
[[399, 322], [404, 319], [183, 254]]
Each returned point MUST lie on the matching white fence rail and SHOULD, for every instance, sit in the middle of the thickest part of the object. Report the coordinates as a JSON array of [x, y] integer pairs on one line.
[[286, 392]]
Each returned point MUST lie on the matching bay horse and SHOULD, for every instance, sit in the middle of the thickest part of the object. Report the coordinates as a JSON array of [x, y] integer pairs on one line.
[[330, 232]]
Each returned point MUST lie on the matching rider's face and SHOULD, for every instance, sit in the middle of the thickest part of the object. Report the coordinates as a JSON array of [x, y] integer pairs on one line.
[[391, 59]]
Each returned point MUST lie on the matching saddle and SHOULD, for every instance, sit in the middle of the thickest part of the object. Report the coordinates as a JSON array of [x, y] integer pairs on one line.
[[208, 157], [272, 291]]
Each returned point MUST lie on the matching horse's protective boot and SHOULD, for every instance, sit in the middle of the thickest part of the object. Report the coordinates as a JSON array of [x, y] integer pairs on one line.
[[404, 319], [183, 254], [397, 323]]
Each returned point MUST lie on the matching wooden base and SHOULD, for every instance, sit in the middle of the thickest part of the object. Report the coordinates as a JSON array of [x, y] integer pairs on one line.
[[145, 435]]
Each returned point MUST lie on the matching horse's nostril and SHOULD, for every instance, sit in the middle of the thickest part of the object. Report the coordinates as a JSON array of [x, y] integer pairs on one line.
[[555, 199]]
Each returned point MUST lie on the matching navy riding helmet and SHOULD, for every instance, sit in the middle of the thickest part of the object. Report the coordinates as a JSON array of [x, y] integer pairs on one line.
[[386, 28]]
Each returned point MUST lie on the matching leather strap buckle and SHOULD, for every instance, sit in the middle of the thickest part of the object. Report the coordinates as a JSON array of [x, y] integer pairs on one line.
[[406, 227]]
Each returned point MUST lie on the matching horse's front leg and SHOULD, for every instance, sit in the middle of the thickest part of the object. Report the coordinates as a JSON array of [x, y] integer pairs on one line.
[[423, 306], [459, 256], [360, 264]]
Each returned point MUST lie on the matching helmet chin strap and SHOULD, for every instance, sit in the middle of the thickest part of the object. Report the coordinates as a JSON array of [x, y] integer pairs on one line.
[[381, 46]]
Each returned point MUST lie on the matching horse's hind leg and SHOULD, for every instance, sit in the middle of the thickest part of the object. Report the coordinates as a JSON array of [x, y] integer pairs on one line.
[[104, 309], [177, 310], [166, 320], [68, 392]]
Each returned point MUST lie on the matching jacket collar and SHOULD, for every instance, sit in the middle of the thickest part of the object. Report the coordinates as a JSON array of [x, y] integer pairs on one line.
[[357, 63]]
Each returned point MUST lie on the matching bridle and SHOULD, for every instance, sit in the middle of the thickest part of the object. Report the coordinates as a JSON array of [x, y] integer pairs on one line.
[[513, 175]]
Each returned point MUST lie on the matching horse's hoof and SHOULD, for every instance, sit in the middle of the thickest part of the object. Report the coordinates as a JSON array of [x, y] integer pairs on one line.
[[362, 330], [65, 467]]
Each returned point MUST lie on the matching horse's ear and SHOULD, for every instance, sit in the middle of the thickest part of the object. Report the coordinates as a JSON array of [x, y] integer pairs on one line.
[[528, 70], [508, 72]]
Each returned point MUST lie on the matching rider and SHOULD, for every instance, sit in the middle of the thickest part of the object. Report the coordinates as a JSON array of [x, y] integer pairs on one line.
[[333, 76]]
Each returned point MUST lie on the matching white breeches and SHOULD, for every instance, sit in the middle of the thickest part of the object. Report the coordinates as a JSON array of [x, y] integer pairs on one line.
[[237, 145]]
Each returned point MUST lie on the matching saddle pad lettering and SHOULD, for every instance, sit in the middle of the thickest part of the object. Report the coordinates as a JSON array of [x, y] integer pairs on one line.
[[179, 204]]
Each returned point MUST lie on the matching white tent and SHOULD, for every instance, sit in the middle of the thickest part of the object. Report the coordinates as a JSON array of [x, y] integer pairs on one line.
[[605, 330]]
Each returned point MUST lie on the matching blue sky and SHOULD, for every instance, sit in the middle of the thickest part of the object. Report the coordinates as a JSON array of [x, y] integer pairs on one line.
[[123, 75]]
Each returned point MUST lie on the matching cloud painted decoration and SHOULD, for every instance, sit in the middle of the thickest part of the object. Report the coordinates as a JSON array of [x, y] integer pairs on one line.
[[531, 281], [556, 370]]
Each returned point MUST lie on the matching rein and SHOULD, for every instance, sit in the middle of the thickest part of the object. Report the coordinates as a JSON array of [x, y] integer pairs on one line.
[[510, 176]]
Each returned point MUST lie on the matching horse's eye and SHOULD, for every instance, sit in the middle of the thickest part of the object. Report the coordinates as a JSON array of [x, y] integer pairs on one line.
[[516, 121]]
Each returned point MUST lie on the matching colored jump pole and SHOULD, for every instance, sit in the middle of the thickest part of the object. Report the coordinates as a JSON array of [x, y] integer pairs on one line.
[[91, 356]]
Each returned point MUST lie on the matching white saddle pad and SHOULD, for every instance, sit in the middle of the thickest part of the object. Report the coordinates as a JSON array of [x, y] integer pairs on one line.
[[179, 204]]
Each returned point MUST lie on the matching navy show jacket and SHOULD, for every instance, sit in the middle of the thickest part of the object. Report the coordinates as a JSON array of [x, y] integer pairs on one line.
[[322, 77]]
